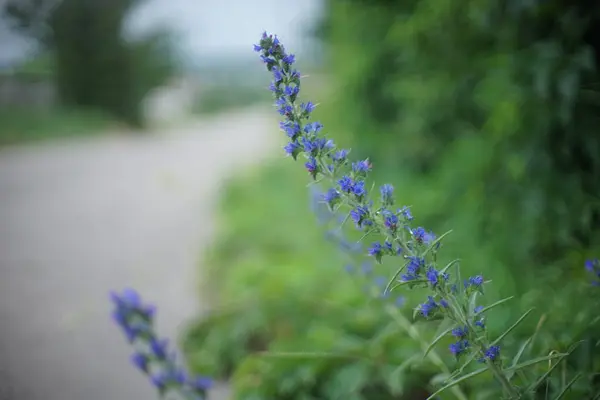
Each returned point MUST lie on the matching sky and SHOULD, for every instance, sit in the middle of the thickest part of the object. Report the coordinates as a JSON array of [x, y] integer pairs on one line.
[[207, 27]]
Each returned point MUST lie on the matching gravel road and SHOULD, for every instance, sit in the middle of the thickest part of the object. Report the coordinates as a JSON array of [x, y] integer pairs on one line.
[[81, 217]]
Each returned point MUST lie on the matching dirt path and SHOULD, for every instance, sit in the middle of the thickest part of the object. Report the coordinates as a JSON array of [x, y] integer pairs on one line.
[[78, 219]]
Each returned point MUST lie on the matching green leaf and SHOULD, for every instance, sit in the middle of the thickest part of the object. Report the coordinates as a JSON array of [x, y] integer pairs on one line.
[[396, 275], [449, 265], [512, 327], [517, 357], [473, 302], [568, 386], [499, 302], [534, 361], [436, 340], [542, 378], [459, 380], [435, 243]]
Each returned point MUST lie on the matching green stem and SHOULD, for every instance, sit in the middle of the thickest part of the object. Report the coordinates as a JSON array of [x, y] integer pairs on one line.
[[506, 385], [414, 333]]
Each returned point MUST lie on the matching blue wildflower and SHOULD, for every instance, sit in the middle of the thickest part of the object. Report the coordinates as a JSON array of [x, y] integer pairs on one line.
[[387, 192], [460, 332], [283, 107], [313, 127], [428, 307], [277, 74], [480, 323], [432, 276], [292, 149], [444, 303], [490, 354], [312, 167], [387, 245], [475, 281], [359, 189], [159, 348], [291, 90], [361, 167], [140, 361], [291, 128], [331, 197], [405, 212], [414, 265], [422, 236], [459, 347], [313, 145], [360, 216], [340, 155], [346, 184], [200, 384], [376, 250], [390, 220], [478, 309], [593, 266], [289, 59], [306, 108]]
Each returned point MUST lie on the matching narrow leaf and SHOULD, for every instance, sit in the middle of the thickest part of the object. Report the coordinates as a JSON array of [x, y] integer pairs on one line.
[[459, 380], [566, 388], [537, 360], [517, 357], [484, 309], [450, 264], [561, 357], [473, 302], [396, 275], [435, 243], [436, 340], [512, 327]]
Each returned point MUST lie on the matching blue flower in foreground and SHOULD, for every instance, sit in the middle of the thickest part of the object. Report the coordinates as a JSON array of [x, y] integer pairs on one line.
[[593, 266], [136, 319]]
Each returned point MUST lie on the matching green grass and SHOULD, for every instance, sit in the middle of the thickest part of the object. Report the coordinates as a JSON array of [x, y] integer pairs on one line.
[[18, 124]]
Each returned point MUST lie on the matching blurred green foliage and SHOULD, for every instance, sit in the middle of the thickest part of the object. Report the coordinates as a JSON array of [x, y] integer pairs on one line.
[[483, 115], [280, 287], [95, 64]]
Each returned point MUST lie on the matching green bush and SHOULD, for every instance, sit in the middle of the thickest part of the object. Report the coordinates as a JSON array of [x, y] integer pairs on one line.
[[488, 112], [279, 286], [482, 115]]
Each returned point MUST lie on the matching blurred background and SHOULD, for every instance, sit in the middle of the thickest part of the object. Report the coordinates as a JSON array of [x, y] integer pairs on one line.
[[482, 114]]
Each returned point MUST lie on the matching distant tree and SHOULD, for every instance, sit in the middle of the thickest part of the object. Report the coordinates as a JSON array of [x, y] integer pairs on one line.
[[95, 65]]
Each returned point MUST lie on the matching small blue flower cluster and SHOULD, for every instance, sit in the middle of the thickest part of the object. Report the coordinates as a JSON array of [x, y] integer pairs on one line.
[[593, 267], [325, 215], [416, 246], [152, 356]]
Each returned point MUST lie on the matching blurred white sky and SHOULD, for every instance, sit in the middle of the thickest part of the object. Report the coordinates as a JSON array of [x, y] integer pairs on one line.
[[209, 27]]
